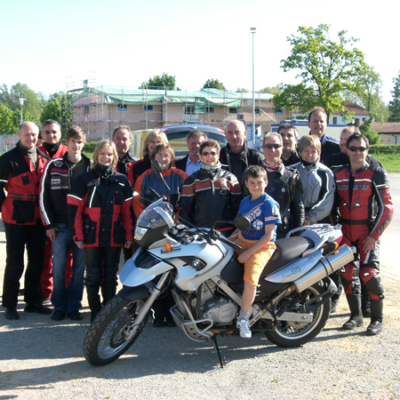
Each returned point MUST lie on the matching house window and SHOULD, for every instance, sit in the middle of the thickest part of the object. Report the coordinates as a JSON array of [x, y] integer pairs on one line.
[[334, 120], [209, 110], [357, 121], [122, 107], [257, 110], [148, 108], [86, 110], [233, 110], [189, 110], [278, 112]]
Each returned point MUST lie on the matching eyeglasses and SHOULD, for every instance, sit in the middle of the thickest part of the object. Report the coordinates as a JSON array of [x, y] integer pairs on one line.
[[272, 145], [355, 148], [206, 154]]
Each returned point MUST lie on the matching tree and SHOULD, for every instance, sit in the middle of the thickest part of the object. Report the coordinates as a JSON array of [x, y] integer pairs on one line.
[[164, 81], [368, 95], [214, 84], [242, 90], [33, 103], [373, 136], [394, 105], [327, 70], [272, 89], [7, 124], [52, 110]]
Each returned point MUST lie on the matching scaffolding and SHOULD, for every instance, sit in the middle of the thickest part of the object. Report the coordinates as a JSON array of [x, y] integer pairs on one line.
[[98, 110]]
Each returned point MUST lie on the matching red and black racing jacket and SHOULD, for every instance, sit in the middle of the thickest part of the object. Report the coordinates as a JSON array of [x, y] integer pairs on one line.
[[59, 153], [54, 187], [20, 179], [363, 198], [100, 211]]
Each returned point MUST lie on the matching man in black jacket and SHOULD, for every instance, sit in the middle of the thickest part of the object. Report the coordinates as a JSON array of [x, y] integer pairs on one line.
[[56, 184], [317, 122], [289, 139], [122, 138], [191, 163], [236, 157]]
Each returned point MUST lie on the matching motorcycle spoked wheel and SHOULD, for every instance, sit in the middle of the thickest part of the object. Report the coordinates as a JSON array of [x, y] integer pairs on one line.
[[293, 334], [105, 340]]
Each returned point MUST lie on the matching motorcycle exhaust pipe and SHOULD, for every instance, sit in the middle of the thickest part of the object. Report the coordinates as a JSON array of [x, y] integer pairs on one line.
[[325, 267]]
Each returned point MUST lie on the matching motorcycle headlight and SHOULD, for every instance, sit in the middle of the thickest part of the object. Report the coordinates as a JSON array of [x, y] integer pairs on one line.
[[139, 233]]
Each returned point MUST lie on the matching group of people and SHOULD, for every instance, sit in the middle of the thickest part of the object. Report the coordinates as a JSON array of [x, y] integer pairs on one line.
[[88, 210]]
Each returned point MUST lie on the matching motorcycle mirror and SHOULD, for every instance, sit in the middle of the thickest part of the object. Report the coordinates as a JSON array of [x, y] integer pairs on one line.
[[242, 223], [156, 168]]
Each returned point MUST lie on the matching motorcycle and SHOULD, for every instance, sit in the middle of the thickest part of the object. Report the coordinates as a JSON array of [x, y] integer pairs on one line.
[[292, 302]]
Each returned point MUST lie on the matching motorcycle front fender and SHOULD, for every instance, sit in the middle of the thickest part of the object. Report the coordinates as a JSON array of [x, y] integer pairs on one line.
[[134, 293]]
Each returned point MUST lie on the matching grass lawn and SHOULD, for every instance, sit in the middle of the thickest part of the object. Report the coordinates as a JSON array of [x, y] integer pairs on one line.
[[391, 162]]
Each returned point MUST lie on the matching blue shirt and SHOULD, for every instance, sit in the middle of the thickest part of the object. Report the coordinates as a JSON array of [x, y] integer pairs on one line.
[[191, 167], [260, 212]]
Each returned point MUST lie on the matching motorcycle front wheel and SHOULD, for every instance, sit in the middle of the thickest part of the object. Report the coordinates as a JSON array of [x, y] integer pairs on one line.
[[293, 334], [105, 340]]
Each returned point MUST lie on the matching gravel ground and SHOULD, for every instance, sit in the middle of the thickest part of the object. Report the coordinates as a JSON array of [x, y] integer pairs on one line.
[[43, 359]]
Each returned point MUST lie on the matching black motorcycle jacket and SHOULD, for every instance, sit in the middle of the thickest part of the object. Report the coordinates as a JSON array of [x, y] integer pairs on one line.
[[284, 186], [54, 188], [209, 196]]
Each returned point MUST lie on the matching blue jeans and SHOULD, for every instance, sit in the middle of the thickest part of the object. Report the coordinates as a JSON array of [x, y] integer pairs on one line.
[[70, 298]]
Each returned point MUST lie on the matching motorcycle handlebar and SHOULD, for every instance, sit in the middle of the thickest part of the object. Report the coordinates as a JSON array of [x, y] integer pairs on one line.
[[229, 243]]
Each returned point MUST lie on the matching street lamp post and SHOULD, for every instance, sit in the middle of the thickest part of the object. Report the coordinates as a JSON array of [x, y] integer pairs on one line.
[[21, 101], [253, 31]]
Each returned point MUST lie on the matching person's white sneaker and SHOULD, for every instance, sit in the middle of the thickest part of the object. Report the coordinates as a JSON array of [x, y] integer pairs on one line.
[[244, 329]]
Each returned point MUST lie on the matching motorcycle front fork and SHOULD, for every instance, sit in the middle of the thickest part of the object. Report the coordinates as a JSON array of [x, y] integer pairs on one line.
[[155, 292]]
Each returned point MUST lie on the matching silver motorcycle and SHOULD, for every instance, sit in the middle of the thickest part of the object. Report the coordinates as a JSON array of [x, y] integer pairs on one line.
[[292, 303]]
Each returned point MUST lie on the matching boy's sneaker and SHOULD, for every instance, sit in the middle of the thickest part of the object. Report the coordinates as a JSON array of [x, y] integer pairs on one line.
[[244, 329]]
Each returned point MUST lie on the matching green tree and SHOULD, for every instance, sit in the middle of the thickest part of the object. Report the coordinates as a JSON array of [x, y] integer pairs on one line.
[[272, 89], [366, 129], [214, 84], [368, 95], [394, 105], [33, 103], [242, 90], [164, 81], [7, 124], [52, 110], [327, 70]]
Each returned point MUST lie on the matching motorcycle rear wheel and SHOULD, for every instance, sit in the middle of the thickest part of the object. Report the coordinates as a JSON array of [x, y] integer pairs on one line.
[[105, 340], [294, 334]]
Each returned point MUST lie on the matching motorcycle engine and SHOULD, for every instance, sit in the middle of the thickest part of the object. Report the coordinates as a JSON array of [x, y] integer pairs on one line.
[[220, 310]]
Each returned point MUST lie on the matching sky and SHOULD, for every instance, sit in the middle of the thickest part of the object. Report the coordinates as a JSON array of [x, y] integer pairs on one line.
[[53, 45]]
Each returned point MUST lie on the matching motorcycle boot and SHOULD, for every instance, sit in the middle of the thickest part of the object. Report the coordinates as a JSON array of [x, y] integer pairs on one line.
[[365, 302], [356, 318], [376, 325], [93, 300]]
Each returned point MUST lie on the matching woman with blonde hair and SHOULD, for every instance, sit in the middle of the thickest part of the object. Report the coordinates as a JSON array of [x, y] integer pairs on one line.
[[153, 138], [100, 215]]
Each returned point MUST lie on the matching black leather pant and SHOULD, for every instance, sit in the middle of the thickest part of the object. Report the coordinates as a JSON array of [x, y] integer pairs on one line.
[[101, 271], [33, 237]]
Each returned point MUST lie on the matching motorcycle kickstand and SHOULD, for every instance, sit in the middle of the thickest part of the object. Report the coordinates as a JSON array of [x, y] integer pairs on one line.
[[220, 356]]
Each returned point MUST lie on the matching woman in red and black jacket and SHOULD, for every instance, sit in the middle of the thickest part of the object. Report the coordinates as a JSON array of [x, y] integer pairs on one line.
[[100, 215]]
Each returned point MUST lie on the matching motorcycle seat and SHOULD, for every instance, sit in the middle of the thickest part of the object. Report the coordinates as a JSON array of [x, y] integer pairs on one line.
[[286, 251]]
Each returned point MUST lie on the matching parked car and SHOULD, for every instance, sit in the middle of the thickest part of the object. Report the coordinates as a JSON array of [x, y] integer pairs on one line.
[[176, 135]]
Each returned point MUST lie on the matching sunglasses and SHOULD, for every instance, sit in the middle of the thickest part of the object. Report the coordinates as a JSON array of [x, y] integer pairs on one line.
[[272, 145], [206, 154], [355, 148]]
